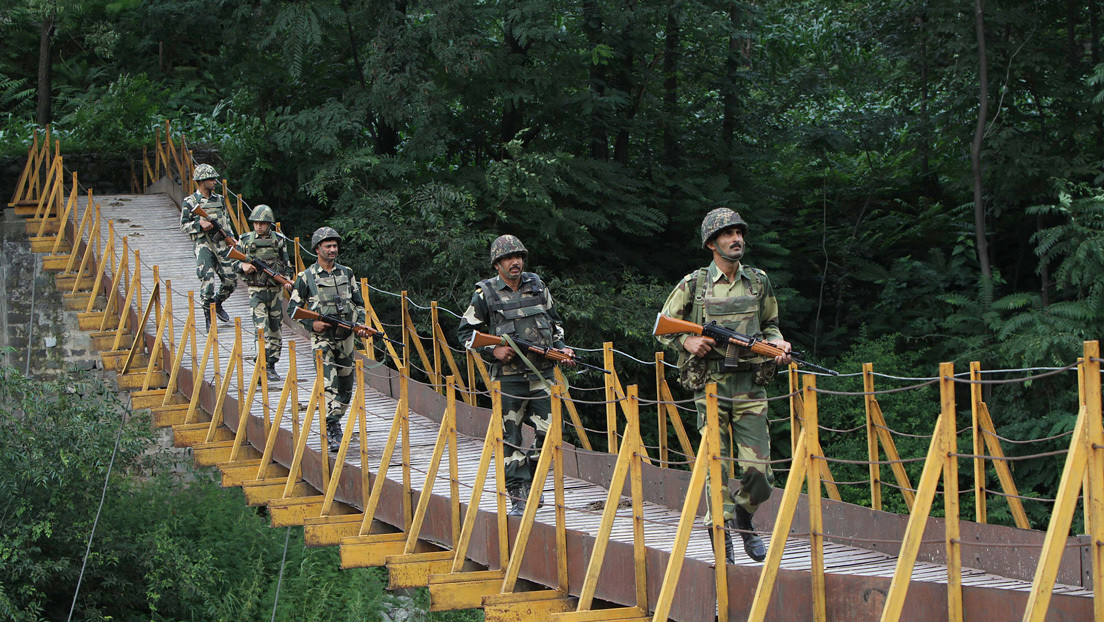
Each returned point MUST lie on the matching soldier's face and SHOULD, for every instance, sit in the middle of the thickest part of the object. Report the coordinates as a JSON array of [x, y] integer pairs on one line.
[[328, 250], [729, 244], [510, 266], [208, 184], [262, 228]]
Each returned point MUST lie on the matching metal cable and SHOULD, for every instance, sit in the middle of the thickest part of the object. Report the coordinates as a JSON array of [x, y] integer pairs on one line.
[[881, 392], [1033, 440], [1018, 380], [99, 509], [280, 577]]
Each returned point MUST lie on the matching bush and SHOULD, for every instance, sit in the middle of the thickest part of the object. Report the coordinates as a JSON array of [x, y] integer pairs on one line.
[[120, 118]]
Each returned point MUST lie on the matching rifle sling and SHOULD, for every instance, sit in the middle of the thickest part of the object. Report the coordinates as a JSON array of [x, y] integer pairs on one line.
[[525, 359]]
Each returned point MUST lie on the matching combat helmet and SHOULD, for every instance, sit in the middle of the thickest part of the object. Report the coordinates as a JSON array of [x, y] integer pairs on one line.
[[506, 245], [322, 234], [262, 213], [718, 220], [204, 172]]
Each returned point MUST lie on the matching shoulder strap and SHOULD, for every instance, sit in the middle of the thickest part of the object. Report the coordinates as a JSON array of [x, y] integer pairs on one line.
[[489, 295], [697, 293]]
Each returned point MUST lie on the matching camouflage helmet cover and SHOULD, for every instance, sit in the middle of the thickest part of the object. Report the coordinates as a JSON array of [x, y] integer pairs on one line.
[[506, 245], [262, 213], [718, 220], [322, 234], [204, 171]]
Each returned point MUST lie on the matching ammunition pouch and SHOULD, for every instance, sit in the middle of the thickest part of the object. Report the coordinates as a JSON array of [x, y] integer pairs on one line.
[[693, 373], [764, 372]]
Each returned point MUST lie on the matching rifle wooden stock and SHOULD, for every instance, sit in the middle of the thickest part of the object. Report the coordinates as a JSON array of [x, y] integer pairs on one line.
[[666, 325], [237, 255], [202, 213], [482, 340], [360, 329]]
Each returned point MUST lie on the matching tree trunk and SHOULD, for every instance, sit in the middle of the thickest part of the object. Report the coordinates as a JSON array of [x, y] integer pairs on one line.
[[596, 132], [512, 112], [387, 137], [1094, 50], [728, 93], [624, 82], [975, 148], [671, 154], [45, 70]]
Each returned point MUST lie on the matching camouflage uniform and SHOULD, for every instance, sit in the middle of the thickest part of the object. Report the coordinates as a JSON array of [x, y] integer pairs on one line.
[[749, 306], [264, 293], [337, 293], [216, 273], [528, 314]]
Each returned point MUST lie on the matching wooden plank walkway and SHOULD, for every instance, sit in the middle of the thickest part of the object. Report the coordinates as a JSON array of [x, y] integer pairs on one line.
[[151, 224]]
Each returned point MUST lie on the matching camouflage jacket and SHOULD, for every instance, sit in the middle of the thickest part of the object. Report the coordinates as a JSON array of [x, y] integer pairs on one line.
[[334, 293], [216, 208], [747, 305], [529, 314], [271, 249]]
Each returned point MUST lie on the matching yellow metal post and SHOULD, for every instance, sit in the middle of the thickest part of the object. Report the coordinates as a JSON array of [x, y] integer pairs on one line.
[[925, 494], [611, 397], [950, 491], [1066, 500], [816, 520], [872, 453]]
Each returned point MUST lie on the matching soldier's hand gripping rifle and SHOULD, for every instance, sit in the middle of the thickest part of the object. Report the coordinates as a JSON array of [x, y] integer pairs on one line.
[[482, 340], [666, 325], [260, 265], [362, 330], [229, 237]]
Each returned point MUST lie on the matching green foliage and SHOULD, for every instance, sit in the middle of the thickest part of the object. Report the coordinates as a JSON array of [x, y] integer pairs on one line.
[[601, 132], [169, 545], [56, 441], [119, 117]]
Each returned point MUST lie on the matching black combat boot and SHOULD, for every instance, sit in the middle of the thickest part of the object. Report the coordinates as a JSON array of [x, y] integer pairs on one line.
[[753, 544], [223, 316], [730, 553], [207, 318], [272, 375], [518, 495], [333, 434]]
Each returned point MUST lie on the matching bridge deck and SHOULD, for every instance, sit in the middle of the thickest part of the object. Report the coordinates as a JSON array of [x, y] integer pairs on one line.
[[151, 222]]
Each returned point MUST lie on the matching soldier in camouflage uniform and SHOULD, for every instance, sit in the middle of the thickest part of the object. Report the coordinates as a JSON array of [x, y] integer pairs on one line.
[[331, 288], [216, 273], [267, 245], [739, 297], [517, 303]]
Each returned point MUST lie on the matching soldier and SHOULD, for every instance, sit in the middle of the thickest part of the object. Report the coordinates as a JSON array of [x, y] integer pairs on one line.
[[741, 298], [517, 304], [215, 271], [330, 288], [265, 244]]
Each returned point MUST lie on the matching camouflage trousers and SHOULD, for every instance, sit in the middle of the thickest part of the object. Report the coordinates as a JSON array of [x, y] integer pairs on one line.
[[750, 438], [216, 275], [523, 401], [337, 373], [267, 314]]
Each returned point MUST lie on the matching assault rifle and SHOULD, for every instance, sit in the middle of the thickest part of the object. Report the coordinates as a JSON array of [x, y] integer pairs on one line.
[[360, 329], [481, 340], [202, 213], [666, 325], [260, 264]]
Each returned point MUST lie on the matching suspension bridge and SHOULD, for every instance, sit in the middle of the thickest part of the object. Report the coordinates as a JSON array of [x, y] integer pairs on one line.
[[416, 486]]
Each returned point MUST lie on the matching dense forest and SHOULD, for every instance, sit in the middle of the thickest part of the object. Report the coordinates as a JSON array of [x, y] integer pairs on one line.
[[921, 177]]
